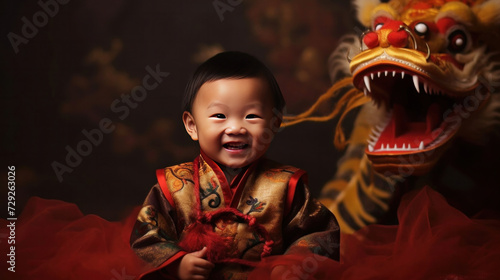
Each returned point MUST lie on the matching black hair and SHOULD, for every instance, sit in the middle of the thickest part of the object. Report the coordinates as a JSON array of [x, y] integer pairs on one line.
[[227, 65]]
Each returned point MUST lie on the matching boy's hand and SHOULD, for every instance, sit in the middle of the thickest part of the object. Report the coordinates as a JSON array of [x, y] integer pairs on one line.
[[194, 266]]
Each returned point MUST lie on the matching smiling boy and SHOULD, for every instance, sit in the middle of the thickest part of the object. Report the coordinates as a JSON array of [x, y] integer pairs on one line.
[[233, 121], [218, 216]]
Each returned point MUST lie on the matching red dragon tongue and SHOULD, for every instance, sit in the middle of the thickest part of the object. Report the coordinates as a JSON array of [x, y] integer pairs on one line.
[[401, 131]]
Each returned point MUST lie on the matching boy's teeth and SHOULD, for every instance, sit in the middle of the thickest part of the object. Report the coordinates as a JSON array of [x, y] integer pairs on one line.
[[235, 146]]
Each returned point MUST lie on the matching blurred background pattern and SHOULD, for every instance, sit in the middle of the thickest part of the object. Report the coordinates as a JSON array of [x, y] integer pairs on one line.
[[84, 58]]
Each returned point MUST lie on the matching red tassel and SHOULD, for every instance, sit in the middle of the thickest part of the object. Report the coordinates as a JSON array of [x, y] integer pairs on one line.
[[268, 247], [201, 234], [198, 235]]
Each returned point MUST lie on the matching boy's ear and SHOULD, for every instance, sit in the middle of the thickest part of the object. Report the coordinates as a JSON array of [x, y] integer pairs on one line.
[[190, 125], [276, 121], [277, 124]]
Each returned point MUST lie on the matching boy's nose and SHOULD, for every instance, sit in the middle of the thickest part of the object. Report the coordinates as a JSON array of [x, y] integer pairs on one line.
[[235, 129]]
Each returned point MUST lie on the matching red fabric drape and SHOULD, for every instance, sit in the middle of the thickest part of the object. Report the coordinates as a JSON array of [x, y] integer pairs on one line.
[[54, 240], [432, 241]]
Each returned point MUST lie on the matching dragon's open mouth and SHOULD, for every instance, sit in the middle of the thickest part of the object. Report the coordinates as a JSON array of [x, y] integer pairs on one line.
[[418, 112], [425, 107]]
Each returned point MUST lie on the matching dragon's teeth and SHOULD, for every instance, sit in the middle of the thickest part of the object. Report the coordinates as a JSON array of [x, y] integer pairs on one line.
[[378, 74], [415, 83], [386, 73], [387, 147], [394, 73], [372, 75], [426, 86], [367, 83], [402, 75]]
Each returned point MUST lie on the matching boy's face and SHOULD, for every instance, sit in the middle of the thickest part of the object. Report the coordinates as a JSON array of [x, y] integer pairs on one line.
[[233, 120]]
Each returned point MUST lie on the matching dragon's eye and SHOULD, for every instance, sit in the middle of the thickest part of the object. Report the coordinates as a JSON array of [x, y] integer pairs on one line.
[[458, 41], [421, 29], [379, 22]]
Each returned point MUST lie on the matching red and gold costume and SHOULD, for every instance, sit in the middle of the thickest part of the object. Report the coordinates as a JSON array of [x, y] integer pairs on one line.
[[266, 210]]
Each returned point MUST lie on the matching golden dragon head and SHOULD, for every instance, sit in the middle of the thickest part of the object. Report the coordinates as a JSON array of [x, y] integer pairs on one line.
[[431, 65]]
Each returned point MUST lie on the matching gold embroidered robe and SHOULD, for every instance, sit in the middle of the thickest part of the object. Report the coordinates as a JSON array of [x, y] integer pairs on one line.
[[276, 195]]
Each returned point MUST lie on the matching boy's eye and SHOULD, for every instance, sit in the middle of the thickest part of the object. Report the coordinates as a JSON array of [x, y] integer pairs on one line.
[[252, 116], [218, 116]]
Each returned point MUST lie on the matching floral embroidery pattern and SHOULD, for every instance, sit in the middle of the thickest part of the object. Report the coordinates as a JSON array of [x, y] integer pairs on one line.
[[211, 190], [149, 222], [256, 240], [153, 216], [181, 173], [256, 206]]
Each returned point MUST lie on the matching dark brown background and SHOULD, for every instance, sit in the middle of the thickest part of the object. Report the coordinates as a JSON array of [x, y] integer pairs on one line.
[[65, 78]]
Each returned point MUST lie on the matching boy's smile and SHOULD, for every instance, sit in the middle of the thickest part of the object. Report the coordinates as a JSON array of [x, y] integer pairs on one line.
[[235, 146], [233, 120]]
